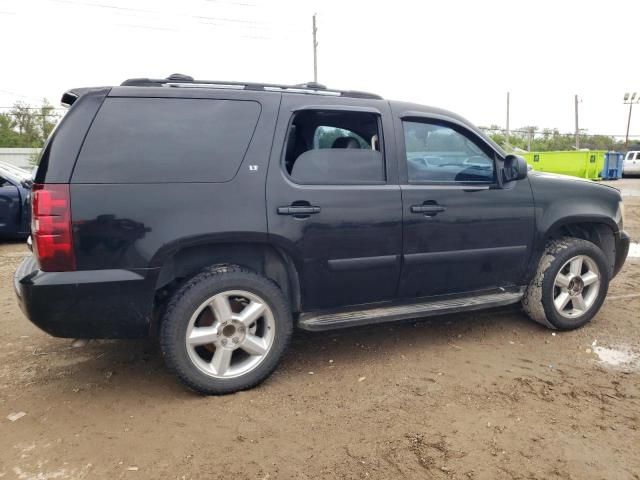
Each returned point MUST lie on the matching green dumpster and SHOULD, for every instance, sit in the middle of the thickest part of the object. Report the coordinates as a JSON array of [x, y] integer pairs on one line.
[[578, 163]]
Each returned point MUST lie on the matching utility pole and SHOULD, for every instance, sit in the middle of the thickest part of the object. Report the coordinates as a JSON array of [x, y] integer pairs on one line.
[[629, 99], [315, 50], [508, 144], [577, 128]]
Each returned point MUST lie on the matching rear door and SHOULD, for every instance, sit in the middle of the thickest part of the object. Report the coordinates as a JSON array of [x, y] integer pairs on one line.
[[462, 233], [333, 201]]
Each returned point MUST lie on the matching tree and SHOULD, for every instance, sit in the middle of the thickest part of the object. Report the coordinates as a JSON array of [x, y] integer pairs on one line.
[[549, 139], [9, 137], [26, 126], [48, 119]]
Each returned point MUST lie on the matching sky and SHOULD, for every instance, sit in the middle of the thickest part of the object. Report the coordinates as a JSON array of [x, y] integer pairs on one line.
[[455, 54]]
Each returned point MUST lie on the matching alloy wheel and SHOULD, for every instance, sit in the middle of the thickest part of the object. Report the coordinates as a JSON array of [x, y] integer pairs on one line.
[[230, 334], [576, 286]]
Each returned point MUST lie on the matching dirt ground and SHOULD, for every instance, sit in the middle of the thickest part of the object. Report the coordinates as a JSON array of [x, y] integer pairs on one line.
[[485, 395]]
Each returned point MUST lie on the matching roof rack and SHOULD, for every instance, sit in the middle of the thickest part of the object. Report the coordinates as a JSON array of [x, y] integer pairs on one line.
[[178, 80]]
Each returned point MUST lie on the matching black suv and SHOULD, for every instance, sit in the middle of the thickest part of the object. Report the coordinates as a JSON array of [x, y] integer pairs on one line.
[[221, 214]]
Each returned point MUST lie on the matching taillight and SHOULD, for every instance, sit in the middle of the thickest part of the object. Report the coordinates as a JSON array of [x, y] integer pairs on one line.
[[51, 227]]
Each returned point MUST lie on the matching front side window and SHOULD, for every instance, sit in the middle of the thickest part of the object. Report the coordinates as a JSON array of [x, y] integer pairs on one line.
[[438, 153], [325, 147]]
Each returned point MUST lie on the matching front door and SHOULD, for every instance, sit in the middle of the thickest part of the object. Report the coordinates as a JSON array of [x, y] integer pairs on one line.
[[333, 200], [462, 232], [9, 207]]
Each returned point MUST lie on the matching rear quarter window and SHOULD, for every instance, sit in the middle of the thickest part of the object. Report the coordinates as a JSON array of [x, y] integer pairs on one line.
[[158, 140]]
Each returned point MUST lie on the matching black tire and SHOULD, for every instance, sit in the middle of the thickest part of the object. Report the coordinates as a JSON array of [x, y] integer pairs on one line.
[[539, 295], [185, 302]]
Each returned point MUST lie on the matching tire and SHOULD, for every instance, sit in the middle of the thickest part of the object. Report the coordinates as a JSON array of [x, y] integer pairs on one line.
[[225, 330], [546, 292]]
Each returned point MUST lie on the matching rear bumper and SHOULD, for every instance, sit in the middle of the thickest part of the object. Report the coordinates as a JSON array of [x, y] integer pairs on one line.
[[86, 304], [622, 250]]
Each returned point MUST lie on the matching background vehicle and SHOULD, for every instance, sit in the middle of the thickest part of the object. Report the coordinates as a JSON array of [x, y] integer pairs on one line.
[[631, 164], [15, 211], [223, 213]]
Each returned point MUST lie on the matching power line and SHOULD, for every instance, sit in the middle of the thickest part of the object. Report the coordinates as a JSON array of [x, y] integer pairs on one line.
[[17, 94], [100, 5], [147, 27], [34, 108], [239, 4], [245, 23], [38, 115]]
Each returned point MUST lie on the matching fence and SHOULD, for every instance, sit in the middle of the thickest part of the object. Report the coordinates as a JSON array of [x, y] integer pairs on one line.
[[20, 157]]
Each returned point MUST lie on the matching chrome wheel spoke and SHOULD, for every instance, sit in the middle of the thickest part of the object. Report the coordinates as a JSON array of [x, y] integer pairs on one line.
[[578, 303], [576, 292], [221, 307], [562, 280], [562, 300], [254, 345], [202, 336], [575, 267], [589, 278], [250, 313], [251, 330], [221, 360]]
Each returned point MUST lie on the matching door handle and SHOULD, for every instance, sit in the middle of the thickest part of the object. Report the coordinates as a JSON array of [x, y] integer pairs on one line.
[[429, 210], [298, 210]]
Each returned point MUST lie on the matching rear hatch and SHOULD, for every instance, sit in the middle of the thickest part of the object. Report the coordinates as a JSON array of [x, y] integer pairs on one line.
[[51, 218]]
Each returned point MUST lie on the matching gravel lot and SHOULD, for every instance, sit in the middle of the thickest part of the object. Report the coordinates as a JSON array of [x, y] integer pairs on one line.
[[485, 395]]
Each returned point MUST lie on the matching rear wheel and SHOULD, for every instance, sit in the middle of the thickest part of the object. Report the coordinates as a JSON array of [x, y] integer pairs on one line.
[[569, 286], [225, 330]]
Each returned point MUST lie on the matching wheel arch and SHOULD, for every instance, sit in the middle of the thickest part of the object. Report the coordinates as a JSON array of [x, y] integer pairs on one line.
[[600, 231], [259, 256]]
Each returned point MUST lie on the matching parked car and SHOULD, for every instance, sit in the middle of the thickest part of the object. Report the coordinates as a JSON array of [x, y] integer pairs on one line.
[[223, 214], [15, 194], [631, 164]]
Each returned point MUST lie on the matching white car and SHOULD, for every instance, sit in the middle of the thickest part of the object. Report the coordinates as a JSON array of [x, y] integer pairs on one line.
[[631, 165]]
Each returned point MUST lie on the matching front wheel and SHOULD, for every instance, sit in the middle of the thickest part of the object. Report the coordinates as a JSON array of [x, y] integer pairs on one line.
[[225, 330], [569, 286]]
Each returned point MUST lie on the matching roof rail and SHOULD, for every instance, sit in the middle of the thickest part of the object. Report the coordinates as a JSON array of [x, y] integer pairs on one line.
[[179, 80]]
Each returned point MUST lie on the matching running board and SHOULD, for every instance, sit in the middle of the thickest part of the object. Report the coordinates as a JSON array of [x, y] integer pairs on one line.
[[329, 321]]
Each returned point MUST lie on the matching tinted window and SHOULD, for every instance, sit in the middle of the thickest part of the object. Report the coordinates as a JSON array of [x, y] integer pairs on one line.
[[437, 153], [146, 140]]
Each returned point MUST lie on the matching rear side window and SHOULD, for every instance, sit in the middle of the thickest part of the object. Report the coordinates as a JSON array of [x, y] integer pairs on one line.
[[325, 137], [155, 140], [335, 147]]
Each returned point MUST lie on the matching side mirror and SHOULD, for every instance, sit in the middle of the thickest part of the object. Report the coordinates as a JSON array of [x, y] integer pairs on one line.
[[514, 168]]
